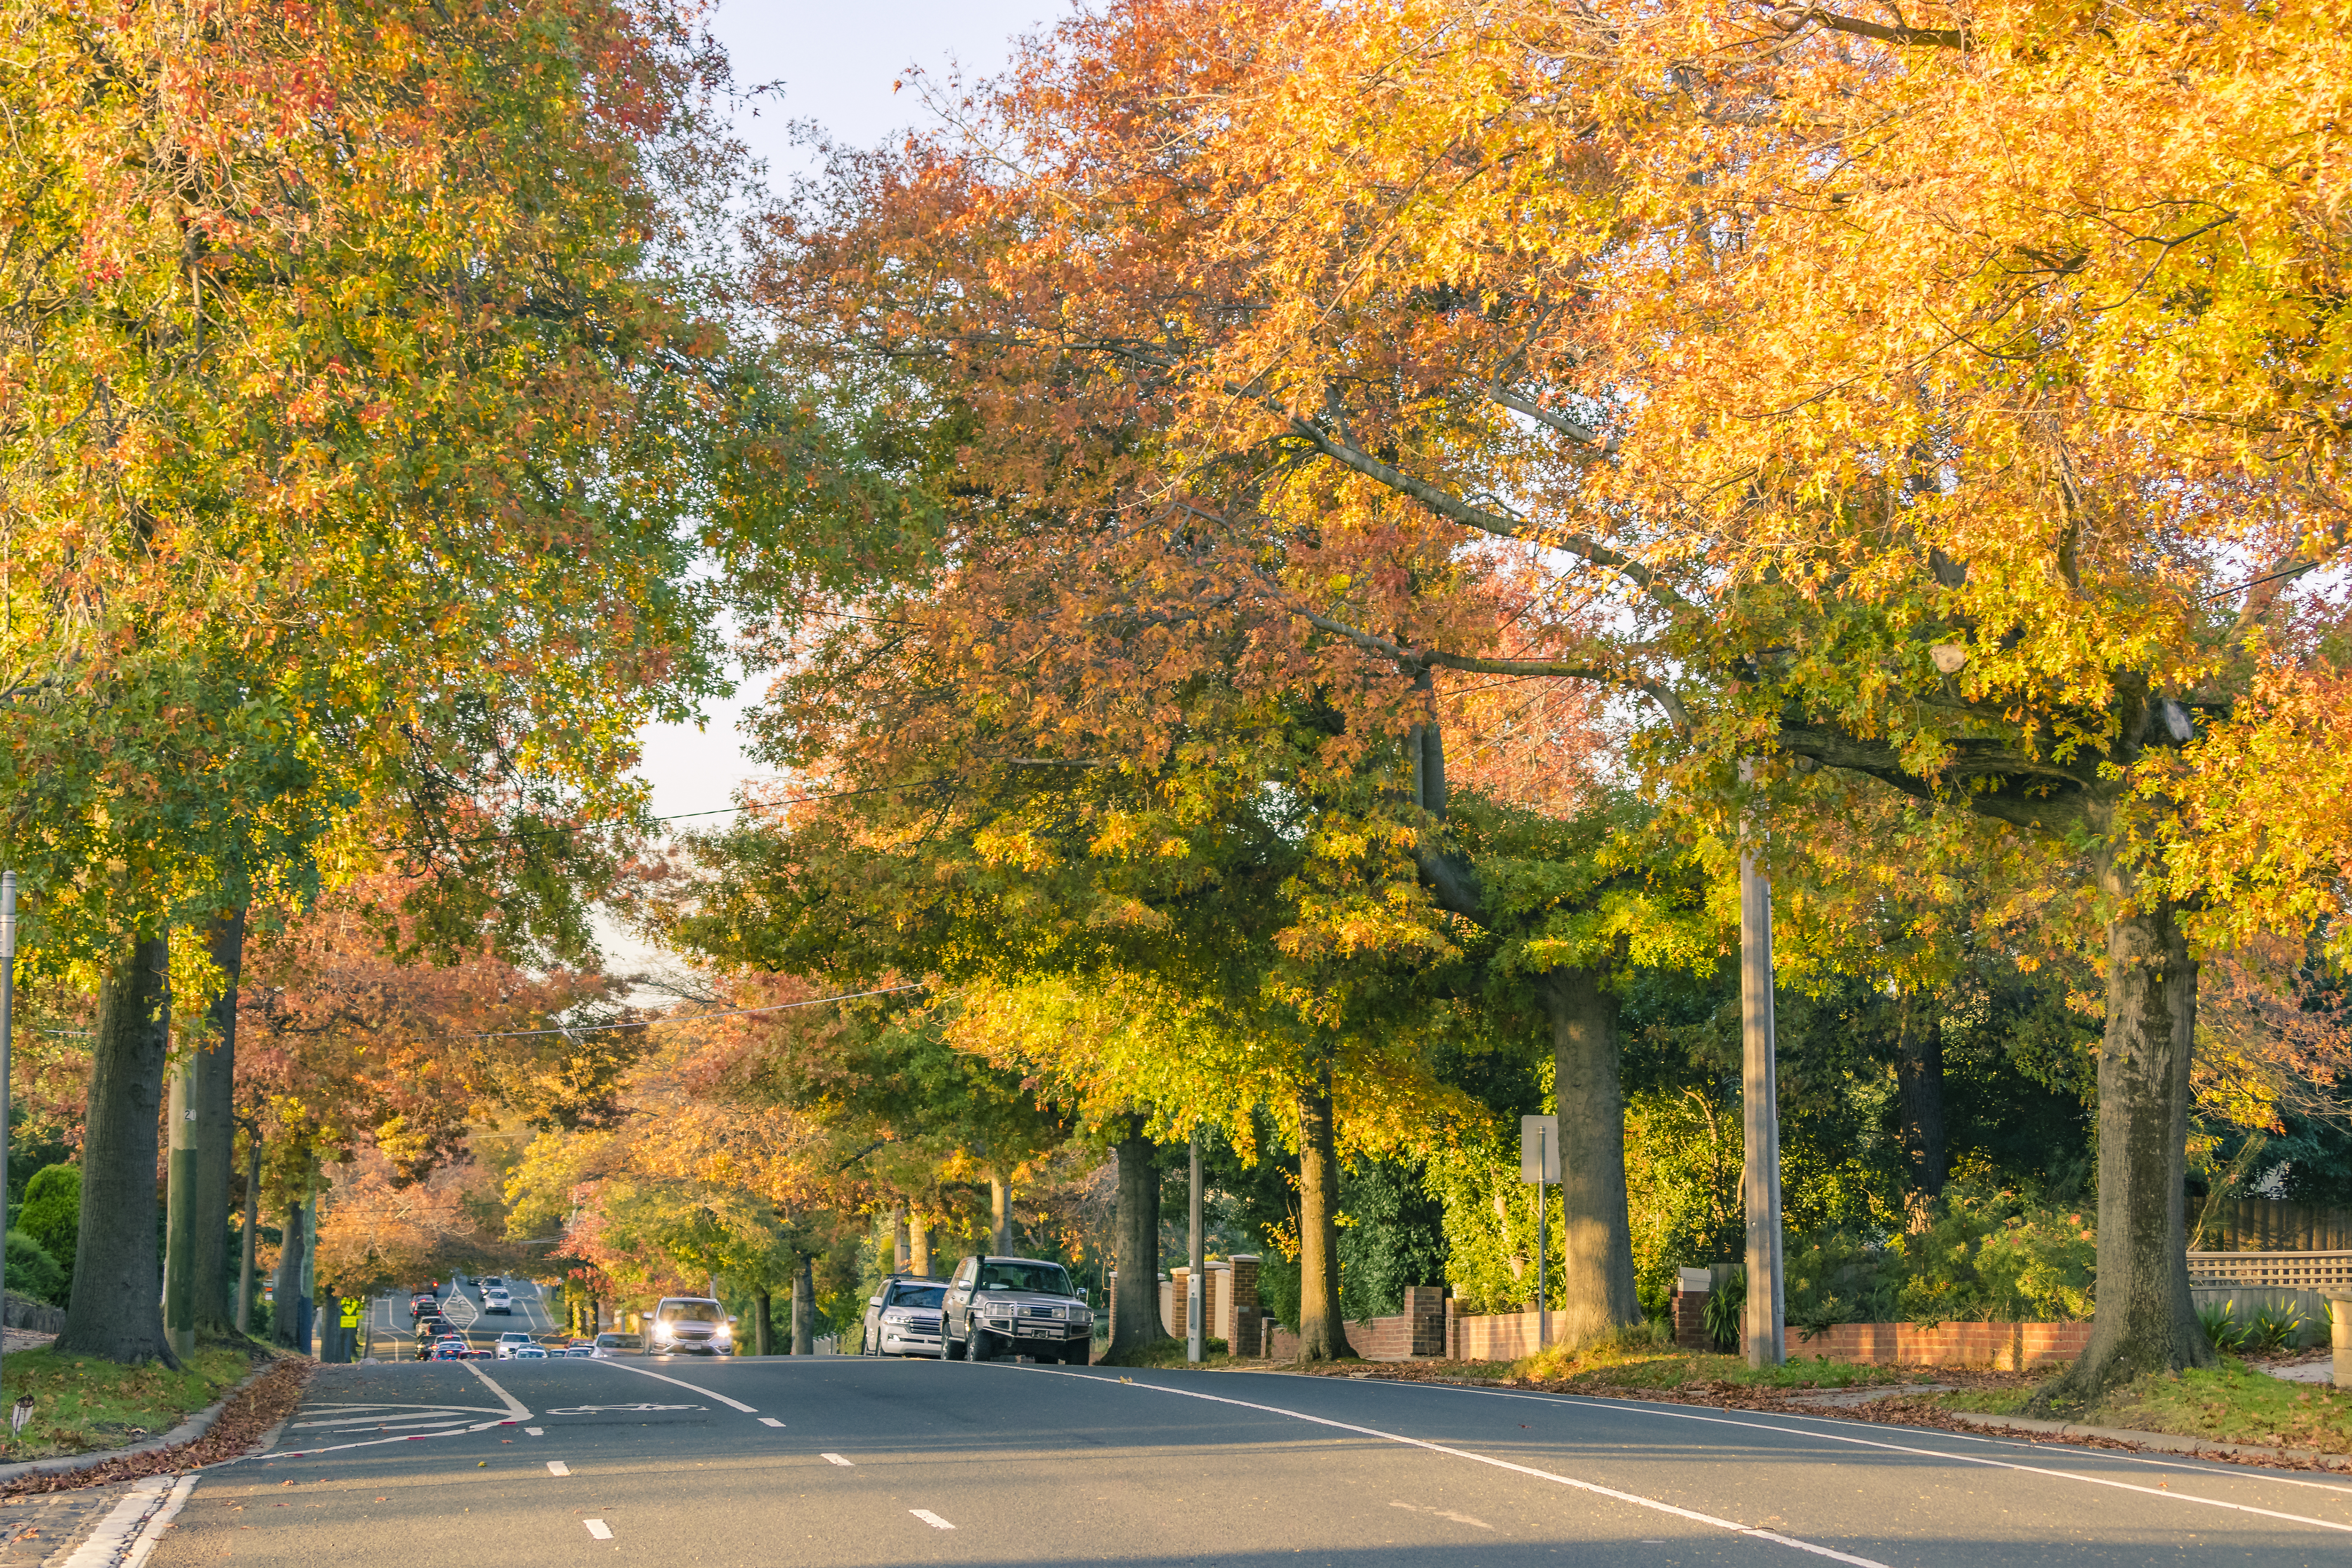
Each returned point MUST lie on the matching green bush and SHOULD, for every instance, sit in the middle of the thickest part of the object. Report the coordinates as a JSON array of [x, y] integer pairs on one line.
[[32, 1272], [52, 1213], [1997, 1255], [1840, 1278]]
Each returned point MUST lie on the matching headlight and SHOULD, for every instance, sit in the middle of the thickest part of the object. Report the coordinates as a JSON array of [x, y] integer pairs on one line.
[[895, 1315], [723, 1333], [996, 1309]]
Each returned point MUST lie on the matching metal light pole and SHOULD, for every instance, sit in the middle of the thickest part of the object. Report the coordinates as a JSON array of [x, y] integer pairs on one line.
[[1539, 1164], [1763, 1316], [7, 1029], [179, 1212], [1194, 1291]]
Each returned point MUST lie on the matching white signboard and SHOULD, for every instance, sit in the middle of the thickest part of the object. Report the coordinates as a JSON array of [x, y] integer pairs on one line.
[[1539, 1149]]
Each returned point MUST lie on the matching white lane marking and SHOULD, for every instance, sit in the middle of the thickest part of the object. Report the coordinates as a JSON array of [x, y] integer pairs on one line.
[[1456, 1518], [689, 1387], [353, 1423], [159, 1523], [1593, 1487], [536, 1431], [837, 1459], [558, 1468], [769, 1421], [114, 1532], [598, 1530], [516, 1409], [928, 1517], [1942, 1453]]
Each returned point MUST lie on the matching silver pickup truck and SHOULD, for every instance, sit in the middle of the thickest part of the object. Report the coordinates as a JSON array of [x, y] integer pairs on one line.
[[1015, 1305]]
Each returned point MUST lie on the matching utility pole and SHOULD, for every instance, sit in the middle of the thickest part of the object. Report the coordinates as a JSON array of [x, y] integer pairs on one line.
[[7, 1032], [180, 1212], [1193, 1284], [1762, 1317]]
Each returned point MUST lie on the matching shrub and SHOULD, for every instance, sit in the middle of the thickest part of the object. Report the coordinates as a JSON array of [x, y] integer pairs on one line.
[[1839, 1278], [1725, 1303], [2220, 1322], [1994, 1254], [52, 1213], [32, 1272]]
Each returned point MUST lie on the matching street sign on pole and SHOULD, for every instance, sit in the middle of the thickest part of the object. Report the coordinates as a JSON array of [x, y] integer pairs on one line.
[[1539, 1164]]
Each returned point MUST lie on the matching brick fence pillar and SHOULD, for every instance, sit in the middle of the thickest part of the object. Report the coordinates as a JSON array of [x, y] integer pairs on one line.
[[1692, 1289], [1425, 1317], [1245, 1327]]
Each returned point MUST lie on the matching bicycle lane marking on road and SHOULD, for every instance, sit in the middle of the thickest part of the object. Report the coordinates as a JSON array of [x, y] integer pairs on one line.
[[1631, 1407], [681, 1382], [1752, 1532]]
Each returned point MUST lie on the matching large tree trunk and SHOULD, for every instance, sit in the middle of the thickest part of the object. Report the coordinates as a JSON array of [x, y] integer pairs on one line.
[[1000, 1212], [1322, 1336], [919, 1242], [1135, 1322], [286, 1307], [1919, 1088], [215, 1096], [805, 1307], [2145, 1321], [115, 1314], [900, 1253], [763, 1323], [1597, 1263]]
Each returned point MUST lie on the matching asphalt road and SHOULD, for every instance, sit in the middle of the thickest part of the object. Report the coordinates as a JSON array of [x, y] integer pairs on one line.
[[842, 1460]]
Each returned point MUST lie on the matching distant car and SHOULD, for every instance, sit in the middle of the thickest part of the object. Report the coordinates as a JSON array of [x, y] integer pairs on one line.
[[690, 1324], [578, 1352], [508, 1343], [607, 1346], [528, 1352], [449, 1350], [422, 1301], [903, 1317], [1015, 1305], [497, 1301], [492, 1282]]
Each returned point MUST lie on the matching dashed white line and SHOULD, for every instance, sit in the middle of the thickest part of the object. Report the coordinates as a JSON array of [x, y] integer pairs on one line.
[[769, 1421], [598, 1530], [928, 1517], [558, 1468], [536, 1431], [837, 1459]]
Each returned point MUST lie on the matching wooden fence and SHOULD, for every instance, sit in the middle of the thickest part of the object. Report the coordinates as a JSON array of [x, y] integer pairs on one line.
[[2269, 1224]]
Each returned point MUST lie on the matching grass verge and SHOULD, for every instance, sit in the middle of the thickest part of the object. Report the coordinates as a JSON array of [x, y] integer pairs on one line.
[[2234, 1403], [82, 1403]]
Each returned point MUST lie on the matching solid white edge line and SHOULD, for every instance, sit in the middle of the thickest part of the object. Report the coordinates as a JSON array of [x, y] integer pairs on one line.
[[1986, 1460], [105, 1543], [928, 1517], [516, 1409], [1592, 1486], [706, 1392], [153, 1534]]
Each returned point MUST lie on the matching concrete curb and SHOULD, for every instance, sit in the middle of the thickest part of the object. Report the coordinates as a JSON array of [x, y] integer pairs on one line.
[[2164, 1442], [187, 1431]]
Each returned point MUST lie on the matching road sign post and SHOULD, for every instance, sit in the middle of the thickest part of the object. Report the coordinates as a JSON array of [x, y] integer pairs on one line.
[[1539, 1164]]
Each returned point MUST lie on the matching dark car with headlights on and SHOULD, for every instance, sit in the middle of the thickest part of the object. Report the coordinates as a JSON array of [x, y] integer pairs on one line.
[[903, 1317], [1015, 1305]]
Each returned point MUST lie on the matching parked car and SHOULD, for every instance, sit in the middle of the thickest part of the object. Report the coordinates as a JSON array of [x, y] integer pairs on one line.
[[610, 1345], [528, 1352], [696, 1324], [903, 1317], [508, 1343], [1015, 1305]]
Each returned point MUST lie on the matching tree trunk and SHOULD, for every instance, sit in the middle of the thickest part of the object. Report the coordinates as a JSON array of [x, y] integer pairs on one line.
[[763, 1323], [1321, 1334], [286, 1306], [252, 1232], [1597, 1262], [805, 1306], [919, 1243], [2144, 1320], [1135, 1322], [331, 1323], [1919, 1087], [999, 1213], [900, 1252], [215, 1096], [115, 1313]]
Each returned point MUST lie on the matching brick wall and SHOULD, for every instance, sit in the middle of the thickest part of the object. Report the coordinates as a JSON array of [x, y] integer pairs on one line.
[[2010, 1346], [1690, 1322]]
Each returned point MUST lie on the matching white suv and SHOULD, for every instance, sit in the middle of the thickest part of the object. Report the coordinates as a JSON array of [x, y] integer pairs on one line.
[[696, 1323], [509, 1343]]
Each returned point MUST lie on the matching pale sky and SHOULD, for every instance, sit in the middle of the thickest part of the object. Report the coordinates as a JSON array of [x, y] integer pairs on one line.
[[836, 63]]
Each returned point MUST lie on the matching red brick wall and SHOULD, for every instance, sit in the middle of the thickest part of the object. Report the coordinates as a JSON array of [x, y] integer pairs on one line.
[[1946, 1345]]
